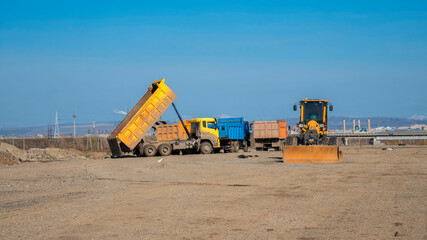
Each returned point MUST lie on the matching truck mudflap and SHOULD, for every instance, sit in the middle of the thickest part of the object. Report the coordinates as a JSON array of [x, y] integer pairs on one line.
[[312, 154]]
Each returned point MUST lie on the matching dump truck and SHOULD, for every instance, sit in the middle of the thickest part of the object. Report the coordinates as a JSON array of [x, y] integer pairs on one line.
[[234, 134], [269, 134], [130, 136], [312, 144]]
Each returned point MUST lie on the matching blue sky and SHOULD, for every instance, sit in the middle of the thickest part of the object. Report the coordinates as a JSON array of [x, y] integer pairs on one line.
[[238, 58]]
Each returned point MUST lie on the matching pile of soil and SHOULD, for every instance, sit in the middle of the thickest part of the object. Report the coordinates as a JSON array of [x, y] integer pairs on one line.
[[7, 159], [10, 155]]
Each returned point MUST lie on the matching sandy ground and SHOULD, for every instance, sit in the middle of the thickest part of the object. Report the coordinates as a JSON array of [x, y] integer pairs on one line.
[[373, 194]]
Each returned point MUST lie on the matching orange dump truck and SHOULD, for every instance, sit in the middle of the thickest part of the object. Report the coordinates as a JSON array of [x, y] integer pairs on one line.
[[170, 132], [130, 136], [269, 134]]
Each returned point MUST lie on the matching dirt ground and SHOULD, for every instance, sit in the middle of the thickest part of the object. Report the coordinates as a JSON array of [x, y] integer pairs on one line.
[[373, 194]]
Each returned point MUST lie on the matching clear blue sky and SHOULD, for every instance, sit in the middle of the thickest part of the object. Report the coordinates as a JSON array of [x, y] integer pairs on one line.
[[237, 58]]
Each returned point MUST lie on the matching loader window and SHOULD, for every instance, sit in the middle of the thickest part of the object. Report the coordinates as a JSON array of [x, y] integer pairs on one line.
[[313, 111], [204, 124]]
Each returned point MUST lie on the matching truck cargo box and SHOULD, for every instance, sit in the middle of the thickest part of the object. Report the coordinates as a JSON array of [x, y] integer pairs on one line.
[[233, 128], [141, 118], [169, 132], [270, 129]]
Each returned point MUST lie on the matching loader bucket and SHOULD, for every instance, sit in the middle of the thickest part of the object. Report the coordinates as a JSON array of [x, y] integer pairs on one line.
[[312, 154]]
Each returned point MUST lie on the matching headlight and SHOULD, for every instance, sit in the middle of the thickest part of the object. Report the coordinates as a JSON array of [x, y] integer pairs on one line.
[[301, 125], [321, 125]]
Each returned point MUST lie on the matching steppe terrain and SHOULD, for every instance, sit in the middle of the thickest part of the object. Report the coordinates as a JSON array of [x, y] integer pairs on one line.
[[372, 194]]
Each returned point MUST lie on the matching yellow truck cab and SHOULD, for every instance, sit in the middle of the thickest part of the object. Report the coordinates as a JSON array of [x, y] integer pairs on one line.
[[206, 130]]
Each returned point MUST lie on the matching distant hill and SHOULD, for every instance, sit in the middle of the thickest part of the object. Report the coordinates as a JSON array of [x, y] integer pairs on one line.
[[107, 127], [64, 129]]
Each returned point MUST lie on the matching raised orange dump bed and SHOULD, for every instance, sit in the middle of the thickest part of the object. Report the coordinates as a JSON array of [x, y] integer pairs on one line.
[[129, 133], [270, 129], [175, 131]]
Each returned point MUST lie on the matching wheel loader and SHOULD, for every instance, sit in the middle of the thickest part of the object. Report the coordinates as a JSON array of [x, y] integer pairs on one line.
[[312, 144]]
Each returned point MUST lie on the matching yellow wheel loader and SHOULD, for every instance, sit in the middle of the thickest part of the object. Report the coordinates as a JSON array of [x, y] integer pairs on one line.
[[312, 144]]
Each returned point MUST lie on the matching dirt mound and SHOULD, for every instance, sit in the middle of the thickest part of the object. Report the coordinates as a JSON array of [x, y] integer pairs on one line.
[[48, 155], [10, 154], [8, 159]]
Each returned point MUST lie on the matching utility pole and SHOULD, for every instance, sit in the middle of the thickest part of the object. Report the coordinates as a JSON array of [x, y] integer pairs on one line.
[[56, 134], [13, 136], [74, 118], [23, 139]]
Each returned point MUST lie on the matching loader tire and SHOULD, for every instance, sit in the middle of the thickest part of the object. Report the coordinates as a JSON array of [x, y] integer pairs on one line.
[[332, 141], [206, 148], [150, 150], [291, 141], [165, 149]]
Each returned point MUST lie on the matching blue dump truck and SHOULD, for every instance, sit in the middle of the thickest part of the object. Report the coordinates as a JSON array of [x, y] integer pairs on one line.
[[234, 134]]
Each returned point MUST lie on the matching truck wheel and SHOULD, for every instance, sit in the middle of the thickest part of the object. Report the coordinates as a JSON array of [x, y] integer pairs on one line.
[[150, 150], [165, 149], [236, 146], [232, 147], [206, 148], [245, 146]]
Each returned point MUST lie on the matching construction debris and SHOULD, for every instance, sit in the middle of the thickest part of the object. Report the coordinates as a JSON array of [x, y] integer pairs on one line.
[[246, 156], [10, 155]]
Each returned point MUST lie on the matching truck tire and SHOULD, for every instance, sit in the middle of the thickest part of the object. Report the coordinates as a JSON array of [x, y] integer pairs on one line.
[[232, 147], [236, 146], [206, 148], [245, 146], [150, 150], [165, 149]]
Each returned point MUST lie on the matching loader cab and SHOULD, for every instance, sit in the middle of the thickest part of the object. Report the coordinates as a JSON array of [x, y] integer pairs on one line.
[[314, 110]]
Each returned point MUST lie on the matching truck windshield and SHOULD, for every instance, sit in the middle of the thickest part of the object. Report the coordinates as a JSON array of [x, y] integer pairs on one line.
[[211, 125], [313, 111]]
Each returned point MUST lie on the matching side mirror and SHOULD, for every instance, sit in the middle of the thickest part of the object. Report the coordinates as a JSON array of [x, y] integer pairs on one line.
[[331, 108], [295, 107]]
